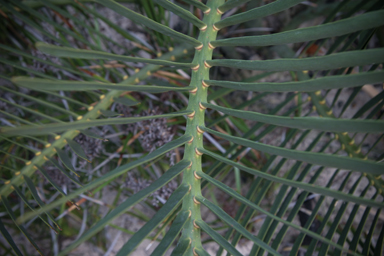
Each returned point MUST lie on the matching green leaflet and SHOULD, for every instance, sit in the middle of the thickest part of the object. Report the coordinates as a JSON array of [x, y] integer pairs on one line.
[[8, 208], [181, 248], [53, 183], [65, 160], [305, 186], [62, 85], [125, 101], [311, 85], [172, 234], [173, 201], [77, 149], [317, 123], [138, 18], [242, 199], [198, 4], [338, 28], [9, 239], [235, 225], [131, 201], [25, 200], [41, 102], [68, 52], [181, 12], [256, 13], [340, 162], [231, 4], [333, 61], [218, 238], [61, 127], [176, 169]]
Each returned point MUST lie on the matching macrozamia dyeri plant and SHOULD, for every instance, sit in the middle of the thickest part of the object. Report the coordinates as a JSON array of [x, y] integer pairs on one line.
[[361, 190]]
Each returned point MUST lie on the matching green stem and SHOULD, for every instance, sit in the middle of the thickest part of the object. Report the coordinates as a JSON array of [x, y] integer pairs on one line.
[[198, 95]]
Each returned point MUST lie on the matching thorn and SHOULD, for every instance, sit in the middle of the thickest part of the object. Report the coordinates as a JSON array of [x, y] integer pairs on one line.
[[329, 112], [57, 137], [38, 153], [322, 102], [102, 96], [207, 11], [210, 46], [219, 12], [17, 173], [352, 142], [201, 106], [7, 182], [190, 213], [215, 28], [90, 108], [79, 118], [204, 84], [318, 93], [203, 28], [48, 145]]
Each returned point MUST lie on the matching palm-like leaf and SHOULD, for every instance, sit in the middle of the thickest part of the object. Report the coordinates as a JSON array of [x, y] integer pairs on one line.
[[49, 134]]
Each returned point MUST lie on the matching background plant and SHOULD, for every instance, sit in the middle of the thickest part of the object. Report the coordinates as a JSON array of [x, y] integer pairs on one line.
[[76, 87]]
